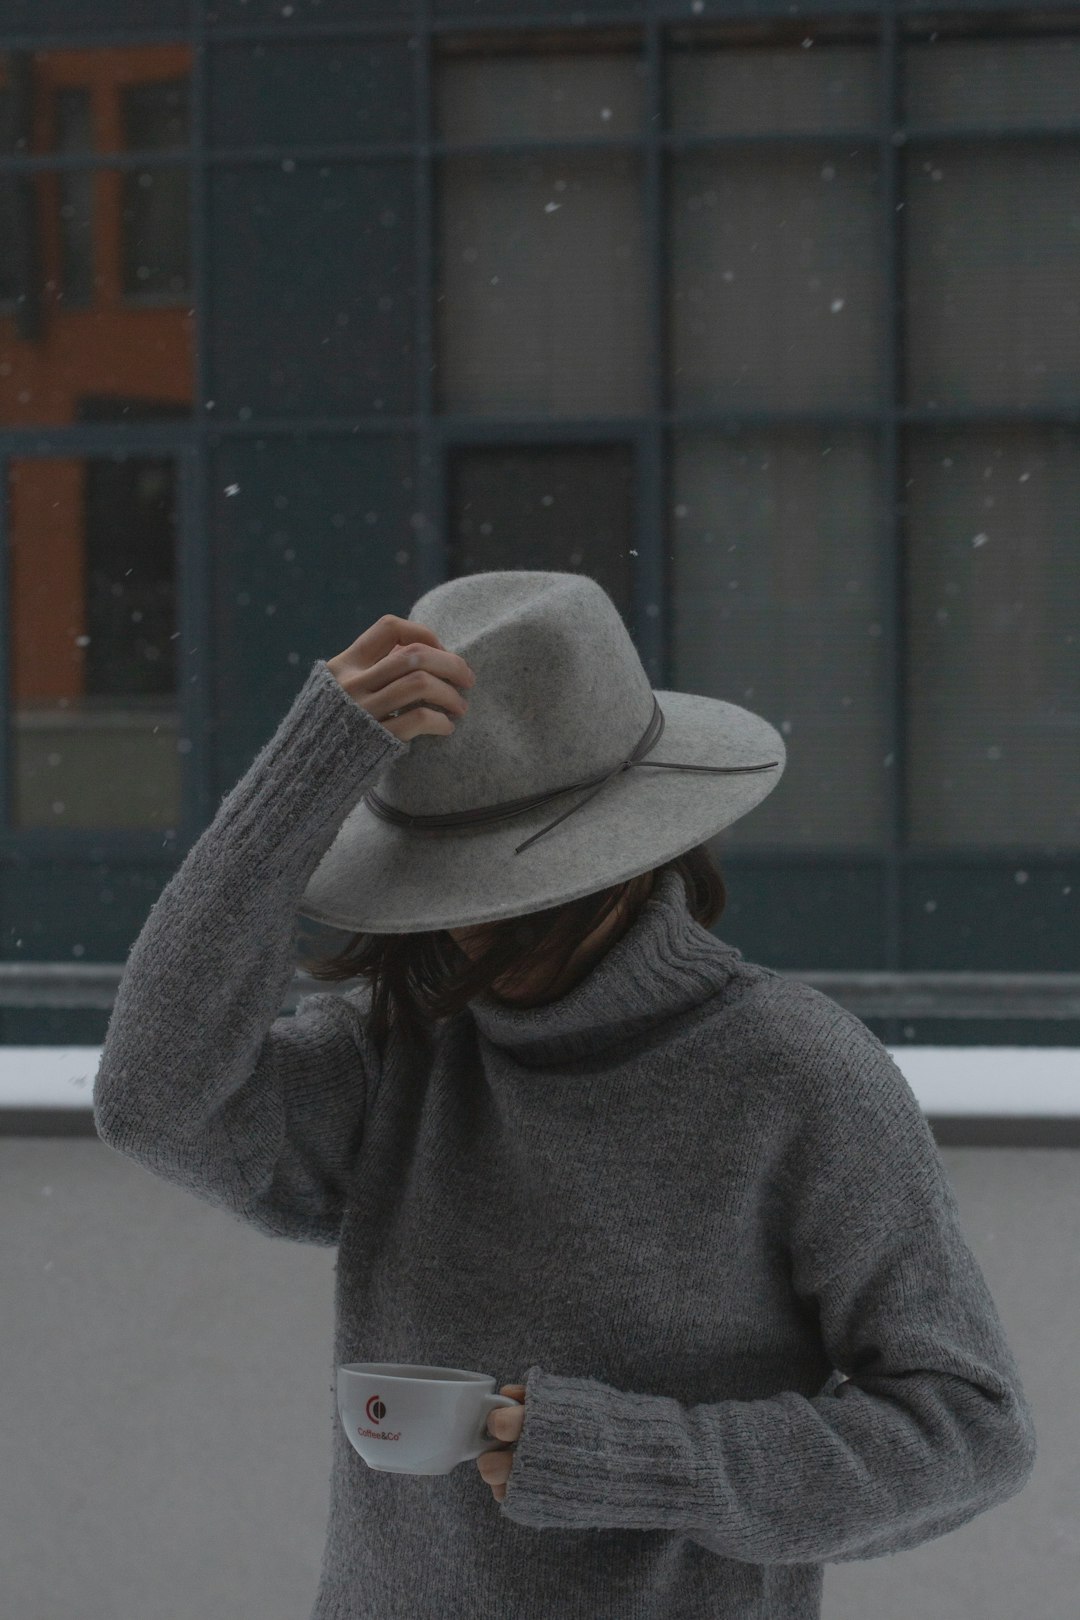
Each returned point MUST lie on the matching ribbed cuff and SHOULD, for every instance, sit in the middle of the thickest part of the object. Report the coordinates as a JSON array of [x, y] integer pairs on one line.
[[591, 1457], [310, 773]]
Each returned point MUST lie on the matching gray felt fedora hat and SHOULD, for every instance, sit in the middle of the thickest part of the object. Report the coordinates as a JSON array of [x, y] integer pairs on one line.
[[568, 773]]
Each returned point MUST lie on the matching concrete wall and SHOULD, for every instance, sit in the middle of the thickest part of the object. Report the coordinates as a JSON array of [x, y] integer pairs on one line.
[[167, 1402]]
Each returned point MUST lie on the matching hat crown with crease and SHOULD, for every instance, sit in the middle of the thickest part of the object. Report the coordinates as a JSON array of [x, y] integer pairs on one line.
[[560, 691]]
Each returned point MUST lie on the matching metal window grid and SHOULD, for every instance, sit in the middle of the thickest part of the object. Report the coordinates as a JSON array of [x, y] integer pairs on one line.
[[436, 436]]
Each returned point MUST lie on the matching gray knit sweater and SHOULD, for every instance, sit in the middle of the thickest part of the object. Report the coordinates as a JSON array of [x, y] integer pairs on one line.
[[678, 1203]]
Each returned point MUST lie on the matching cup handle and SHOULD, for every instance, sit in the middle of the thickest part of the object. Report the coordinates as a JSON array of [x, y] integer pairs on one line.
[[487, 1441]]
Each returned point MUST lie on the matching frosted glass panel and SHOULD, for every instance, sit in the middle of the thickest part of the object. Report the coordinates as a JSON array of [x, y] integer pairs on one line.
[[993, 274], [480, 98], [776, 278], [992, 83], [542, 286], [994, 655], [779, 88], [776, 605]]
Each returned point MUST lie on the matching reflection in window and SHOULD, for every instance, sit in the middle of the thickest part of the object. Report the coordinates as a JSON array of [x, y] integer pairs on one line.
[[74, 133], [16, 193], [157, 235], [92, 643], [777, 606], [94, 261]]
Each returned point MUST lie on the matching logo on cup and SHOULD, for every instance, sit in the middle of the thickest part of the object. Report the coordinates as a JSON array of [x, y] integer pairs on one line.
[[375, 1409]]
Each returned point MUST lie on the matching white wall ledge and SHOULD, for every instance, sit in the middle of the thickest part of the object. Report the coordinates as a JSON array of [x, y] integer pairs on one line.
[[977, 1081]]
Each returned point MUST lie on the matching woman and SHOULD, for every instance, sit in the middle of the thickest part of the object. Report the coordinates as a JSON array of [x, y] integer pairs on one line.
[[688, 1206]]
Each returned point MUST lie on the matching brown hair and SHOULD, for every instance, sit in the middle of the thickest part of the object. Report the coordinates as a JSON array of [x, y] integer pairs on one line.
[[419, 977]]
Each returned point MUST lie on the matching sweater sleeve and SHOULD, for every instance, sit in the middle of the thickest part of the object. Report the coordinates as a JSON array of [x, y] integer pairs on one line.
[[930, 1429], [198, 1081]]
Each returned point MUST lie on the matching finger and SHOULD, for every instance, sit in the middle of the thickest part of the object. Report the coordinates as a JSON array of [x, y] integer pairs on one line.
[[506, 1422], [495, 1466], [389, 632]]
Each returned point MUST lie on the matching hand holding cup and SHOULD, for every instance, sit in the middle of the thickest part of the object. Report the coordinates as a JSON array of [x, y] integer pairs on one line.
[[505, 1423]]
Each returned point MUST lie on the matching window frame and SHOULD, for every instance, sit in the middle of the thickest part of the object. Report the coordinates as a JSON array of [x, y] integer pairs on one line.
[[898, 869]]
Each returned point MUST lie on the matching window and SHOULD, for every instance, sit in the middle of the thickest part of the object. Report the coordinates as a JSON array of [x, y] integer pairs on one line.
[[92, 548], [74, 133], [95, 274], [15, 190], [766, 323], [565, 507], [994, 658], [156, 201], [770, 258], [541, 301], [777, 605]]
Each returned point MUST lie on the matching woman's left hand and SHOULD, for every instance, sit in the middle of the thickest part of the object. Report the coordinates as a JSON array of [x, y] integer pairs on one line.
[[503, 1424]]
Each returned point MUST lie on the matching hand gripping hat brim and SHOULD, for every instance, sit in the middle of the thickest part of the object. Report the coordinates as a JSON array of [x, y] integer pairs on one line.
[[561, 713]]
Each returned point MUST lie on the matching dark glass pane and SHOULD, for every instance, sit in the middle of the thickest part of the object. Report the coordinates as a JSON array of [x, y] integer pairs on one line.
[[157, 228], [311, 92], [156, 115], [993, 273], [1000, 918], [92, 642], [745, 89], [542, 296], [993, 83], [542, 92], [16, 194], [313, 538], [10, 280], [993, 675], [74, 124], [810, 916], [776, 278], [563, 507], [157, 235], [314, 288], [74, 133], [777, 605]]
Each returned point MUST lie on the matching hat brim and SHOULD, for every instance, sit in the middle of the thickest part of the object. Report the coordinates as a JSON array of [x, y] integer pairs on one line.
[[380, 878]]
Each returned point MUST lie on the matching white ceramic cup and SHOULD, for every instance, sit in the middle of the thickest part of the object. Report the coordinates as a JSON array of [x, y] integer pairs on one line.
[[407, 1419]]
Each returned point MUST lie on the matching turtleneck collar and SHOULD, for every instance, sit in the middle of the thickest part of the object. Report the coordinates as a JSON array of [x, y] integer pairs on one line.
[[664, 965]]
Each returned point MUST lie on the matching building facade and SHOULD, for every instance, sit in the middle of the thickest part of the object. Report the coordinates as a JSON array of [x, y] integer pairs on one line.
[[766, 316]]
